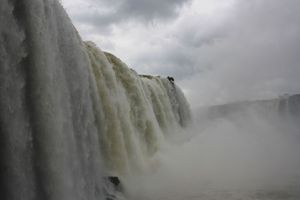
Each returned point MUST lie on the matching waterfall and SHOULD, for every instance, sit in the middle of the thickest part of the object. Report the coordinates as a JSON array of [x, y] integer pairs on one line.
[[71, 114], [137, 111], [286, 107]]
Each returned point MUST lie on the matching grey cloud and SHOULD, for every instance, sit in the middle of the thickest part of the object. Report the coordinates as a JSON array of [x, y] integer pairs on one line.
[[258, 58], [103, 13], [170, 62], [183, 56], [252, 55], [148, 10]]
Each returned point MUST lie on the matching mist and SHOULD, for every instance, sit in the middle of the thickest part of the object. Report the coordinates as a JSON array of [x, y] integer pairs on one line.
[[234, 151]]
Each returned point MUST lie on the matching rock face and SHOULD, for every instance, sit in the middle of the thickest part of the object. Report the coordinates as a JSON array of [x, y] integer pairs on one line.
[[70, 113], [113, 187], [115, 181]]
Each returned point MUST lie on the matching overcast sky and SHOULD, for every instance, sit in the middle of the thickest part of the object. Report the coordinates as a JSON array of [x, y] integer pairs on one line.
[[217, 50]]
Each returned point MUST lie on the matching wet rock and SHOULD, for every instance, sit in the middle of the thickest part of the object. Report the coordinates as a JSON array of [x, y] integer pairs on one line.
[[113, 188], [171, 79], [115, 181]]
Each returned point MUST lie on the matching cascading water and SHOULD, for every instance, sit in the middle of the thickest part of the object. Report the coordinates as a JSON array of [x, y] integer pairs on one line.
[[137, 111], [69, 113]]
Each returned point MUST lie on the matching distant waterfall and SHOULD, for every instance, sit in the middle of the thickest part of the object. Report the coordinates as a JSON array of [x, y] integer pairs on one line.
[[69, 113], [283, 106], [283, 111]]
